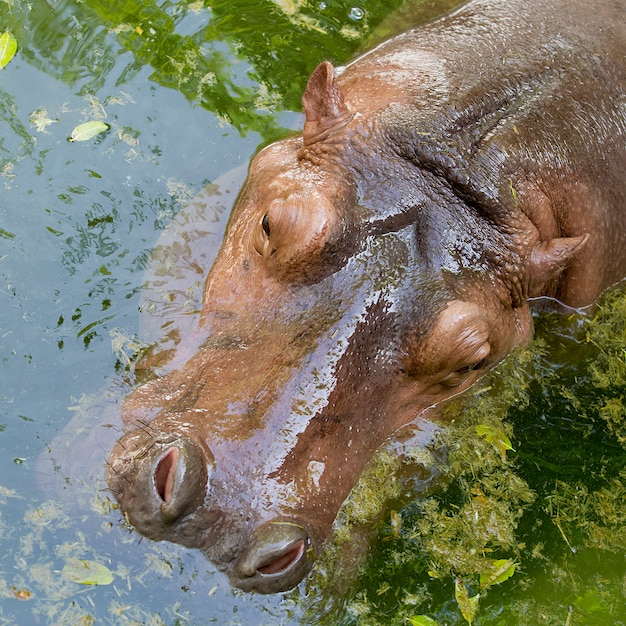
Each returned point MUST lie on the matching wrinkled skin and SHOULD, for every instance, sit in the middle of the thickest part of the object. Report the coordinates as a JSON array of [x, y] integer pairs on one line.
[[376, 266]]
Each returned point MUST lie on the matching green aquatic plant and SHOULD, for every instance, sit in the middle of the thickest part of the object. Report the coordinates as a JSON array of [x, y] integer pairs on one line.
[[606, 330], [597, 518], [86, 572]]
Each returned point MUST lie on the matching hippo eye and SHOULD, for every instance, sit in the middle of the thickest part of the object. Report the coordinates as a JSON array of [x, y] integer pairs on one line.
[[466, 369], [261, 238], [265, 224], [459, 375]]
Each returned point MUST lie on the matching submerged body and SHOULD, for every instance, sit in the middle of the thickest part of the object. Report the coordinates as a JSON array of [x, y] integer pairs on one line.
[[375, 266]]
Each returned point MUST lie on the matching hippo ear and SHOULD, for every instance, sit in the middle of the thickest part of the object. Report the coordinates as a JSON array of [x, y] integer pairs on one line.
[[549, 258], [323, 103]]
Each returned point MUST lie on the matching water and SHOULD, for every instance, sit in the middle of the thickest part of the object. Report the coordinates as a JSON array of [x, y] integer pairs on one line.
[[189, 93]]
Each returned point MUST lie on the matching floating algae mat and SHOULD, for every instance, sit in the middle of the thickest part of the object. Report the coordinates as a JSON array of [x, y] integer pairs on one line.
[[525, 522]]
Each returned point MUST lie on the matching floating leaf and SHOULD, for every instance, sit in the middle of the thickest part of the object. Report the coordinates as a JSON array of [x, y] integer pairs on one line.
[[496, 438], [422, 620], [468, 606], [86, 131], [501, 570], [22, 594], [8, 48], [87, 572]]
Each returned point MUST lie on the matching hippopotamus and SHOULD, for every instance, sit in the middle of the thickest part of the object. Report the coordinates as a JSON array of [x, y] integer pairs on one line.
[[377, 265]]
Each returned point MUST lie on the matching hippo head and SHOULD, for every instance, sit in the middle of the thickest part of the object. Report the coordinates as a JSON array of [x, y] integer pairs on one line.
[[353, 291]]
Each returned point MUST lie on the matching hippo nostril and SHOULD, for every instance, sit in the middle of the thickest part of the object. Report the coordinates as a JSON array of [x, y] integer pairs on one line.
[[276, 557], [179, 478], [159, 481], [165, 473], [283, 561]]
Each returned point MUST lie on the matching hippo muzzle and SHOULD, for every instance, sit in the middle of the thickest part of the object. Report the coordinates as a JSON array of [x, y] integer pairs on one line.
[[163, 486]]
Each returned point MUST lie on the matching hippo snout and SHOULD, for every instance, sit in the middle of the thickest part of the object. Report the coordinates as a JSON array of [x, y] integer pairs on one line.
[[277, 557], [156, 482]]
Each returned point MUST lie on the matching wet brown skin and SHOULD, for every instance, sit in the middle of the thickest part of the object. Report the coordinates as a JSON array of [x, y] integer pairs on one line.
[[378, 265]]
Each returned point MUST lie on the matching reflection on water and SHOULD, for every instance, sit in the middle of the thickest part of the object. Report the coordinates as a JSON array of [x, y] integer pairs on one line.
[[78, 223]]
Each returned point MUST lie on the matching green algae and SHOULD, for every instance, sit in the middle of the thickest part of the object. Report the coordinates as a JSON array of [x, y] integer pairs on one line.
[[368, 499], [607, 332], [597, 518]]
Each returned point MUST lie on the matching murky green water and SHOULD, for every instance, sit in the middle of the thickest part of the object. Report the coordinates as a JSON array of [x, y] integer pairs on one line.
[[188, 93]]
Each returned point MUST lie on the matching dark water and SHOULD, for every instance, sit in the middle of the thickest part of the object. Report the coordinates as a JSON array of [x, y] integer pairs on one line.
[[188, 94]]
